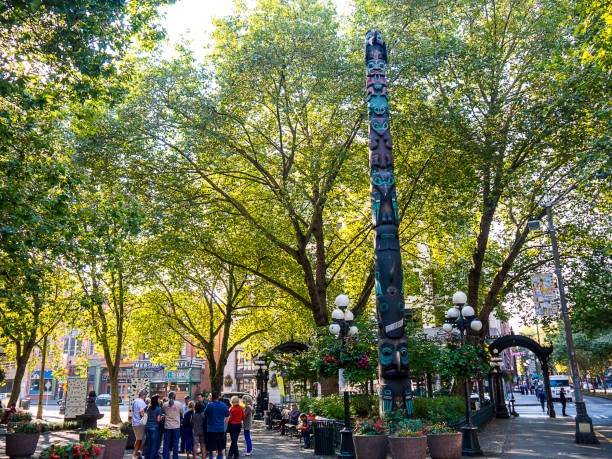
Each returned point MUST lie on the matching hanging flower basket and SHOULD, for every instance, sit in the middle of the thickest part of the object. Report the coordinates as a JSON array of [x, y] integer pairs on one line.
[[228, 381], [273, 381]]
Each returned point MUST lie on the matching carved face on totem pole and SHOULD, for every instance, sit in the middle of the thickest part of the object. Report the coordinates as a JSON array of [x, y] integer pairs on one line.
[[393, 357], [380, 151]]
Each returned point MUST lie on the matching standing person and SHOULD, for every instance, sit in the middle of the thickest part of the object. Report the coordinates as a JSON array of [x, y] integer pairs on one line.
[[186, 400], [542, 399], [138, 408], [248, 422], [154, 416], [172, 426], [198, 422], [234, 425], [217, 414], [187, 429], [563, 400]]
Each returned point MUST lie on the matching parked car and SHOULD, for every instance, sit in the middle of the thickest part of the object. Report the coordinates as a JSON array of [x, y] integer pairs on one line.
[[103, 399]]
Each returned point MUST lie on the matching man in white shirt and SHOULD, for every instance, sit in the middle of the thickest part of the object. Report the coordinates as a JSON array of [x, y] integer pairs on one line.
[[138, 409]]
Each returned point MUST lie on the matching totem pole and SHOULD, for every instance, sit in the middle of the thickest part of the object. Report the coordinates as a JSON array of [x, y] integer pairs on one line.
[[395, 393]]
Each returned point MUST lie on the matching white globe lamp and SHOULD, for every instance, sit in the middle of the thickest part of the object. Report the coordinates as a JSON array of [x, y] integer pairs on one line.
[[452, 313], [334, 329], [342, 301], [447, 328], [476, 325], [352, 331], [467, 311], [337, 314], [459, 298], [348, 315]]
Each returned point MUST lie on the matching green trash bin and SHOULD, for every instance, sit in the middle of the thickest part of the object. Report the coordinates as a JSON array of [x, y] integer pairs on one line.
[[324, 432]]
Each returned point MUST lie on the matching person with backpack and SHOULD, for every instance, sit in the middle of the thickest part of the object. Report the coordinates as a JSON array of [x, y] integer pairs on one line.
[[542, 399]]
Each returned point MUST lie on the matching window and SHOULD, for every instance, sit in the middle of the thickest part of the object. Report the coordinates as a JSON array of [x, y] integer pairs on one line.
[[243, 361]]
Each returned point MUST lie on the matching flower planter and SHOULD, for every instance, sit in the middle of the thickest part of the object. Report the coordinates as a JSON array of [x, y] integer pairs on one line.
[[445, 446], [113, 448], [21, 444], [408, 447], [102, 448], [370, 446]]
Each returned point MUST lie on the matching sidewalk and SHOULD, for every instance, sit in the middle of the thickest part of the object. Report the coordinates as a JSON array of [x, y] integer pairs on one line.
[[266, 444], [529, 437]]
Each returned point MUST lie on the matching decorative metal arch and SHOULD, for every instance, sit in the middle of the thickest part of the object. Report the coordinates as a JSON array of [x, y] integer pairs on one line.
[[541, 352]]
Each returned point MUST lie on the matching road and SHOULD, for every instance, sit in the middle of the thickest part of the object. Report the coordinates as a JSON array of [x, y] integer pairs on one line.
[[599, 409], [51, 412]]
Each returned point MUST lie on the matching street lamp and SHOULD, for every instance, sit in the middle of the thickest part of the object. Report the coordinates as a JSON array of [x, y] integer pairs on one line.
[[501, 410], [463, 317], [584, 424], [261, 378], [342, 327]]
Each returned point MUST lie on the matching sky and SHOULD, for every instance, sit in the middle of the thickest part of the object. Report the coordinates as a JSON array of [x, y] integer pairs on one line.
[[193, 20]]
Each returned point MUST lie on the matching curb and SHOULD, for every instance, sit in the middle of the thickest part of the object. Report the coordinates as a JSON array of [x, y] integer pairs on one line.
[[597, 396]]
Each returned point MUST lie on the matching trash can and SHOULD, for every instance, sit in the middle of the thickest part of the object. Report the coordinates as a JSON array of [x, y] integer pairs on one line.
[[24, 404], [324, 432]]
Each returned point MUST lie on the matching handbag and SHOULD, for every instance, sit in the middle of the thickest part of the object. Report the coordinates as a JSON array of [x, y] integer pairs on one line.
[[144, 418]]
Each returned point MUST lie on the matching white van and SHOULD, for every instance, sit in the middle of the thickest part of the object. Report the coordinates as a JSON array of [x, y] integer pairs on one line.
[[556, 383]]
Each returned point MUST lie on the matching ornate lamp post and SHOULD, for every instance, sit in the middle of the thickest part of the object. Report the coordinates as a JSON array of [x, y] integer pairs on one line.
[[261, 379], [463, 317], [501, 410], [342, 327]]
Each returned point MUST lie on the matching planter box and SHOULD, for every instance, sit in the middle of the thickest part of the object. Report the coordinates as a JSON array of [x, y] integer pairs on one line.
[[408, 447], [445, 446], [21, 444], [370, 446], [113, 448], [99, 456]]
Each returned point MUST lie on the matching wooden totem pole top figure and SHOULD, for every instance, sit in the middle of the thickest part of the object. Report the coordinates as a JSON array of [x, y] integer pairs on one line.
[[392, 351]]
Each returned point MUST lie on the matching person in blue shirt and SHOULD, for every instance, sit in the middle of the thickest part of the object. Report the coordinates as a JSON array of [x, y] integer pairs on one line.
[[154, 415], [217, 414]]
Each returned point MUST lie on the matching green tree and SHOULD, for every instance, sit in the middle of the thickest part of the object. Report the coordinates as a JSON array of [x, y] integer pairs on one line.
[[495, 88]]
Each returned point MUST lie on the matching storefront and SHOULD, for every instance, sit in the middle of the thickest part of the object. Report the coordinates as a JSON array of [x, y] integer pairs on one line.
[[184, 380], [48, 384]]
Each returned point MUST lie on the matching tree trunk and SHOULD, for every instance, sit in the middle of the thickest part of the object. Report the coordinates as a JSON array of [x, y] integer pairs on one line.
[[216, 381], [329, 385], [22, 363], [41, 380], [113, 375]]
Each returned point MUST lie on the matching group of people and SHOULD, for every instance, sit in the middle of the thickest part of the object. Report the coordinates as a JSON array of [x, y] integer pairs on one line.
[[527, 389], [200, 427], [302, 421]]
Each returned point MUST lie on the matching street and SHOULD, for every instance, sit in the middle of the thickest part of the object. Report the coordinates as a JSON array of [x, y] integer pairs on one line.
[[599, 409], [51, 412]]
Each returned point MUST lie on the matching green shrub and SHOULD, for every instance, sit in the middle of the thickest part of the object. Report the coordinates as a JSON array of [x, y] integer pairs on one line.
[[439, 409], [364, 405]]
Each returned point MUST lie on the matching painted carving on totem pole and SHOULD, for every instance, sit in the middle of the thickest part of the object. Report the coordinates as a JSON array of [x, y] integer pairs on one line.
[[395, 393]]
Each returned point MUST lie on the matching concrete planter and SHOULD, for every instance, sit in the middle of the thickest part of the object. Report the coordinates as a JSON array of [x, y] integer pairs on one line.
[[445, 446], [408, 447], [370, 446], [21, 444], [113, 448]]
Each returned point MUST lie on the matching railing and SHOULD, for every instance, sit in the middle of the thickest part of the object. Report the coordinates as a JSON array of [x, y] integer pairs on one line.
[[480, 417]]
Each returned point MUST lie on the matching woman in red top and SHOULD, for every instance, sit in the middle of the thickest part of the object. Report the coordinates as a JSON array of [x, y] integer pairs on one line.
[[234, 424]]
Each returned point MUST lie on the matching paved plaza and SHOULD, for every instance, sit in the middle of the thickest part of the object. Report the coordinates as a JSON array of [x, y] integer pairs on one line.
[[531, 435]]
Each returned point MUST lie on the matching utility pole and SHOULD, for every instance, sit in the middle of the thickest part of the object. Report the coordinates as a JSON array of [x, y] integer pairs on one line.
[[584, 424]]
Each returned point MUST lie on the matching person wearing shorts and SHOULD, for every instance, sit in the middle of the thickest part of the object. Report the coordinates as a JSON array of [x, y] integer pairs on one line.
[[138, 409], [217, 415]]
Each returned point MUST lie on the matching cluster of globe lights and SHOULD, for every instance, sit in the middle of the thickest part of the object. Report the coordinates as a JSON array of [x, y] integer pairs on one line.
[[341, 313], [459, 299]]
